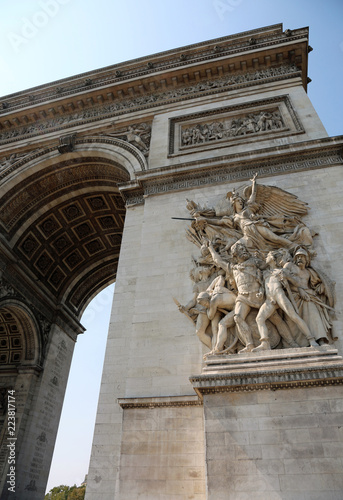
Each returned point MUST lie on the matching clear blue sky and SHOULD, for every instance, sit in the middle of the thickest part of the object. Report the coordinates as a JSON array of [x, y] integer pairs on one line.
[[46, 40]]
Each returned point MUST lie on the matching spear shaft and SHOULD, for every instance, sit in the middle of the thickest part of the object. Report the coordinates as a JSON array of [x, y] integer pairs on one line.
[[181, 218]]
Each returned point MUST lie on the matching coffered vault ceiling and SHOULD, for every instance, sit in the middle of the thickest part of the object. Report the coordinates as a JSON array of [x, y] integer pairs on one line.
[[65, 223]]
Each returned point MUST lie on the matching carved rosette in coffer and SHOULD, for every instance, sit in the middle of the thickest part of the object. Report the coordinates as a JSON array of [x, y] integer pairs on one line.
[[233, 125]]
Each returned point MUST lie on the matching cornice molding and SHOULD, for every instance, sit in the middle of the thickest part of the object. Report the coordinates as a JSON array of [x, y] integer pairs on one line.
[[247, 384], [303, 367], [149, 100], [159, 402], [147, 65], [319, 154]]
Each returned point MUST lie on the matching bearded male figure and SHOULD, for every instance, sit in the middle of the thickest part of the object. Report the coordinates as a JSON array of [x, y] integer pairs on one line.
[[249, 284]]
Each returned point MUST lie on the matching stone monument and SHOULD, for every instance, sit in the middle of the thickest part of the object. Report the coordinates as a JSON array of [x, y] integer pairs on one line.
[[202, 181]]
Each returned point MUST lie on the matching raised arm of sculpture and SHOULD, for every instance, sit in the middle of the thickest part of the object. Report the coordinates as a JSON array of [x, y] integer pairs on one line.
[[252, 197], [217, 259]]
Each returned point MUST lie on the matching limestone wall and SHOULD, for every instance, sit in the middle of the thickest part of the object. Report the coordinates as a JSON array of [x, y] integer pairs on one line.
[[273, 445], [162, 454]]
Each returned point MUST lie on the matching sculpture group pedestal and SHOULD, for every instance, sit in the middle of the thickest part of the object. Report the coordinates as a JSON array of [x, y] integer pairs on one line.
[[273, 424]]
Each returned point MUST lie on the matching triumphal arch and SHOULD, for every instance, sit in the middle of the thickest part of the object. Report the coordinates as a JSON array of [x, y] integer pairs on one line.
[[203, 182]]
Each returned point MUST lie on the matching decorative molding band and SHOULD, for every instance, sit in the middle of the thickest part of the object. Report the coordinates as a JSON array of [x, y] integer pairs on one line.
[[273, 386], [147, 101], [270, 370], [215, 175], [159, 402], [104, 139], [210, 384], [133, 199]]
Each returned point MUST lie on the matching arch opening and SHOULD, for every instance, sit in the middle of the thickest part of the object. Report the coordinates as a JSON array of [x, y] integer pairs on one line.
[[63, 217]]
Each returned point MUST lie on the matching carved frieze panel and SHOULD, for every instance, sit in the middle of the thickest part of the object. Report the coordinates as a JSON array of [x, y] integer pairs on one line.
[[232, 125]]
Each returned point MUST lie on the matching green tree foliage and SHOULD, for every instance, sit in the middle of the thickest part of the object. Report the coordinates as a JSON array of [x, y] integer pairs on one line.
[[63, 492]]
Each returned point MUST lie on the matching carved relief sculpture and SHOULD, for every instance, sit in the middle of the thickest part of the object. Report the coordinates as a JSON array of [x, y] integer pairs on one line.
[[255, 288], [241, 126], [137, 135]]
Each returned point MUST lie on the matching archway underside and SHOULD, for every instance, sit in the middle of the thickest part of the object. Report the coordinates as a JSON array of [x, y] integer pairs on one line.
[[74, 245], [65, 224]]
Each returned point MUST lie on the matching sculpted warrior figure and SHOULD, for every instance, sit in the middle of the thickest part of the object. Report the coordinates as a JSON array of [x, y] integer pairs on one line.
[[274, 282], [211, 298], [202, 277], [219, 297], [313, 294], [216, 300], [248, 280]]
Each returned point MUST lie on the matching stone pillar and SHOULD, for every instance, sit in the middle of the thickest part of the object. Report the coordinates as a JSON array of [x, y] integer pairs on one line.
[[151, 346], [104, 463], [38, 399]]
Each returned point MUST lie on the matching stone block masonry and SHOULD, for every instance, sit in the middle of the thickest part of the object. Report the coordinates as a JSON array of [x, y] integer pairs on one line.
[[275, 445]]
